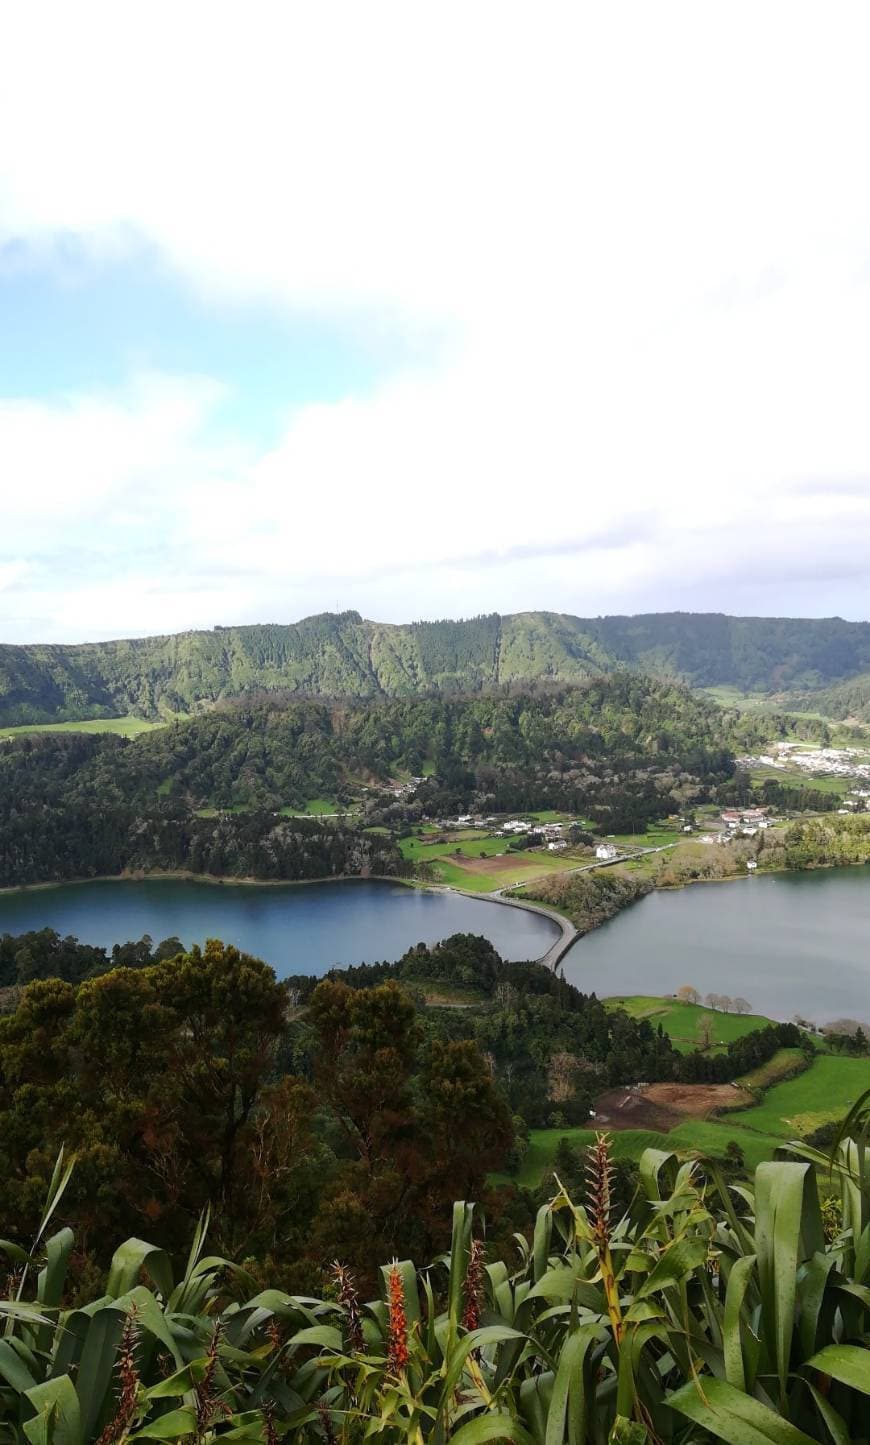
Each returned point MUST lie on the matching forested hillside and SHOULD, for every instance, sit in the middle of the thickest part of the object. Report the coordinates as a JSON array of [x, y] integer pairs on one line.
[[621, 750], [342, 655], [849, 699]]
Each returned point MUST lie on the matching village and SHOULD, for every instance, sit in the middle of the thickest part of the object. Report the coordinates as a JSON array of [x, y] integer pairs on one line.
[[847, 763]]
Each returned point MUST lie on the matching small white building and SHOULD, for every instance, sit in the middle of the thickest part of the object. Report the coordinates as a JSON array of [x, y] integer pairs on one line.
[[751, 865], [554, 846], [605, 851]]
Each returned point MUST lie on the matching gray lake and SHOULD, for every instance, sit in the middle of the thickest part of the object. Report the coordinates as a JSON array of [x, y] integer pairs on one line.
[[787, 942]]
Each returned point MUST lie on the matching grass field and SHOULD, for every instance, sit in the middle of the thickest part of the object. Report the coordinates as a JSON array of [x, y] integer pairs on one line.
[[471, 844], [655, 837], [784, 1063], [681, 1021], [825, 1092], [126, 727], [627, 1144], [712, 1136], [794, 777]]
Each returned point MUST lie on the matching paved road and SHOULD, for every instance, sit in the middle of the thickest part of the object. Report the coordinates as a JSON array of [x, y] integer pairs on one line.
[[568, 933]]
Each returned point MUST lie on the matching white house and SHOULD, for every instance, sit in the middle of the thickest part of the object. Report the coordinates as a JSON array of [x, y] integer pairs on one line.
[[605, 851]]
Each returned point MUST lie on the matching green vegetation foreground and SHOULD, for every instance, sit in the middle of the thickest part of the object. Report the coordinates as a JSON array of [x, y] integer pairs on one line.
[[702, 1313]]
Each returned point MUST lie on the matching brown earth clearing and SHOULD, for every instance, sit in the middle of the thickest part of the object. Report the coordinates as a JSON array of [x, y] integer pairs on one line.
[[663, 1106]]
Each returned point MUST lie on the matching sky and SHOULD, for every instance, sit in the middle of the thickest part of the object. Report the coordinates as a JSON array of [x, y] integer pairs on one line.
[[431, 310]]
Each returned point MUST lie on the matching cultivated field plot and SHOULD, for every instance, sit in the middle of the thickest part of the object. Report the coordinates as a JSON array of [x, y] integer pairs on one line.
[[663, 1106], [467, 859]]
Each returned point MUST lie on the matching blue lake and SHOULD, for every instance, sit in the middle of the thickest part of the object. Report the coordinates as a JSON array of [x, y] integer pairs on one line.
[[298, 928]]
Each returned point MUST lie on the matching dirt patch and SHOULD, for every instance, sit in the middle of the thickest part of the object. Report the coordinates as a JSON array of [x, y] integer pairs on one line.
[[529, 868], [493, 864], [663, 1106]]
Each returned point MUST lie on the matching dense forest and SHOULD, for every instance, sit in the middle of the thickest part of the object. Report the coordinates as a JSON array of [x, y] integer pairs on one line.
[[76, 833], [313, 1117], [621, 750], [342, 655]]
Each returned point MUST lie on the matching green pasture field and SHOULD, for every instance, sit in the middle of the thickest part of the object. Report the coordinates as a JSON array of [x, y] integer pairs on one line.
[[317, 808], [470, 844], [551, 815], [784, 1063], [824, 1092], [732, 697], [793, 777], [543, 1143], [655, 837], [529, 868], [680, 1020], [125, 727], [712, 1136], [791, 1108]]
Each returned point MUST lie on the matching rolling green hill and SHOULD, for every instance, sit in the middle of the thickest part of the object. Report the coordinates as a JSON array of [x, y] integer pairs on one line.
[[342, 655]]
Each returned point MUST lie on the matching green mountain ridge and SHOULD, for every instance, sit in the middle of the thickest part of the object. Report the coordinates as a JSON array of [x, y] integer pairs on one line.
[[339, 655]]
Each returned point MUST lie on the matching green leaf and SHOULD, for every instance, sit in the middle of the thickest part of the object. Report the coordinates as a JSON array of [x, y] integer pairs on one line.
[[15, 1252], [97, 1365], [492, 1427], [735, 1296], [850, 1364], [325, 1337], [58, 1416], [150, 1317], [13, 1369], [568, 1399], [836, 1426], [677, 1262], [652, 1162], [128, 1262], [51, 1279], [460, 1244], [787, 1229], [541, 1242], [476, 1340], [174, 1386], [171, 1426], [59, 1180], [732, 1416]]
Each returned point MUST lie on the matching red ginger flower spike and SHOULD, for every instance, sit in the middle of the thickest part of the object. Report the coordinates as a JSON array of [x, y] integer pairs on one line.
[[397, 1341], [473, 1287]]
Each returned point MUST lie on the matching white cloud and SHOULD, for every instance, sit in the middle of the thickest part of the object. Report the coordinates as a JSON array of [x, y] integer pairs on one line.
[[646, 228]]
